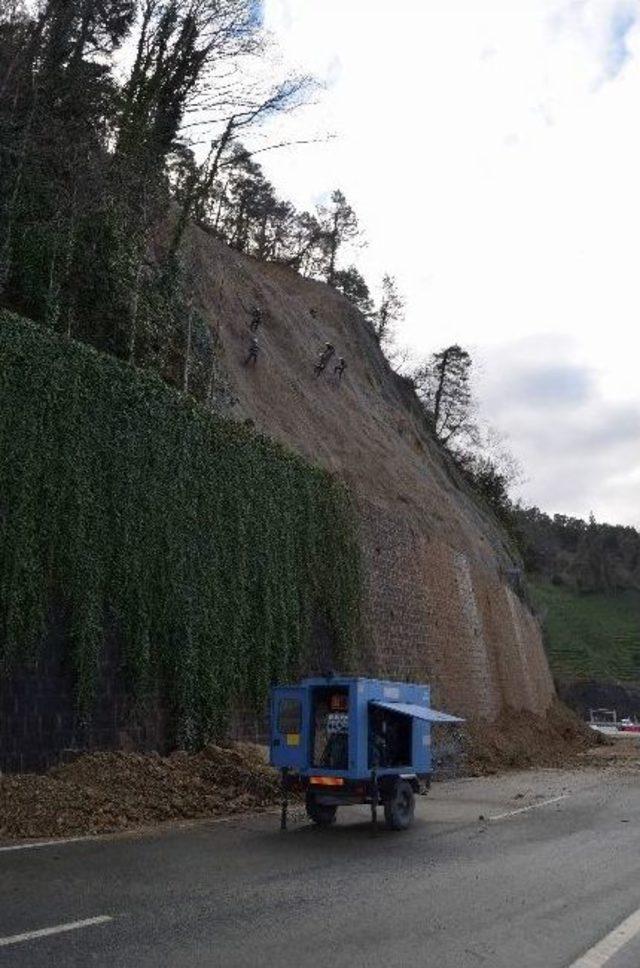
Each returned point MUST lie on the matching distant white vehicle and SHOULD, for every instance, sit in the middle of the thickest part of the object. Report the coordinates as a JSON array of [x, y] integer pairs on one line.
[[603, 717], [606, 721]]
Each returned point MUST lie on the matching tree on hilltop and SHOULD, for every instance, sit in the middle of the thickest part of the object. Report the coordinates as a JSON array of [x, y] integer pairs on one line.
[[339, 225], [351, 283], [389, 312], [444, 388]]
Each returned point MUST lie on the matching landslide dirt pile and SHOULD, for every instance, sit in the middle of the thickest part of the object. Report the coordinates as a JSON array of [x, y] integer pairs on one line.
[[103, 792], [619, 755], [521, 739]]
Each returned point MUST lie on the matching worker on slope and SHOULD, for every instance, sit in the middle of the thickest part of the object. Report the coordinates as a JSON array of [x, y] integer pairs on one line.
[[256, 319], [254, 349], [324, 358], [339, 368]]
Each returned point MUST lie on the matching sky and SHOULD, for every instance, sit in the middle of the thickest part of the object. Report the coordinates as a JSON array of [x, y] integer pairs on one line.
[[491, 149]]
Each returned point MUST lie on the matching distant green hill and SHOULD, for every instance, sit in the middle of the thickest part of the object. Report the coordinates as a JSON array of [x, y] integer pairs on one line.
[[594, 635]]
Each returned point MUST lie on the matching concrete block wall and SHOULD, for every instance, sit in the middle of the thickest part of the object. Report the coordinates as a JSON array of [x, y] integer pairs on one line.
[[433, 614], [430, 614], [39, 721]]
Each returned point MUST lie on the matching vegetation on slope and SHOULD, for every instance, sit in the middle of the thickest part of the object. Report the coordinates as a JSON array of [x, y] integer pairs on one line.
[[207, 548], [585, 575], [586, 555], [102, 168], [586, 583], [592, 635]]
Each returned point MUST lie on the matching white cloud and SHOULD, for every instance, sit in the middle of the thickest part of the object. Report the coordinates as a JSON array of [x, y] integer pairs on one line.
[[579, 449], [492, 152]]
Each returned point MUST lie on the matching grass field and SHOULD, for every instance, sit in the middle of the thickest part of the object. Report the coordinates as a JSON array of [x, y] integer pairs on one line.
[[590, 635]]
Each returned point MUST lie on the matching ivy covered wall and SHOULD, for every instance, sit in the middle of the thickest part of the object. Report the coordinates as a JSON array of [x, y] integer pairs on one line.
[[210, 549]]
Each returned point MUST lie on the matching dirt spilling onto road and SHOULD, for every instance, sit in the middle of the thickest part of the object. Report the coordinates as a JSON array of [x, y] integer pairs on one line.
[[517, 740], [104, 792], [619, 755], [109, 791]]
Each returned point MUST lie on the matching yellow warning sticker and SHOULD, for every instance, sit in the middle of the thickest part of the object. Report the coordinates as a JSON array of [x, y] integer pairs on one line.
[[293, 739]]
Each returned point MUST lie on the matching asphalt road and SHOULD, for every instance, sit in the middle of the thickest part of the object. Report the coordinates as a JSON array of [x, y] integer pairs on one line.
[[534, 888]]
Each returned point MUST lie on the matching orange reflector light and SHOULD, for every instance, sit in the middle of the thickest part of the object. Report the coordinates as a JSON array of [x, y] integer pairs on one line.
[[326, 780]]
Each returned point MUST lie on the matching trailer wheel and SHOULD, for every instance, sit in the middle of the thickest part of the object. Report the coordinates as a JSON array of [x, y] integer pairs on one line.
[[322, 814], [399, 806]]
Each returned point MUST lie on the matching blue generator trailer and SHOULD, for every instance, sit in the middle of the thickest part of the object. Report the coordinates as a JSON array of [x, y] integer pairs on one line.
[[341, 740]]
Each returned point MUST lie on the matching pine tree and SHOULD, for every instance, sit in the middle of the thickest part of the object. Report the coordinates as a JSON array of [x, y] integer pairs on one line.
[[443, 385]]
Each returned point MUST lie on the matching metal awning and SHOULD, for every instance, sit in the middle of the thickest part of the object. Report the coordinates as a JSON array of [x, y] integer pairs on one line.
[[418, 712]]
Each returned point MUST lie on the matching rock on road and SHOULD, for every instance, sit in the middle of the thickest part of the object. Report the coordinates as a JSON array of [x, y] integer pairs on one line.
[[550, 871]]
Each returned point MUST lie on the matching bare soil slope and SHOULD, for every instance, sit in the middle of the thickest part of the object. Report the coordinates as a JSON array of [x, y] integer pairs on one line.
[[439, 602]]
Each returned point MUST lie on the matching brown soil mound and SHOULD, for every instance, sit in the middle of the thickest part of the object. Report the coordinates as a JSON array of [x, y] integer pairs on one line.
[[103, 792], [109, 791], [517, 740], [619, 755]]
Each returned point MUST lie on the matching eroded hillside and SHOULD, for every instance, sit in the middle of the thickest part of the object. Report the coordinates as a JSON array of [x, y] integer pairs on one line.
[[441, 600]]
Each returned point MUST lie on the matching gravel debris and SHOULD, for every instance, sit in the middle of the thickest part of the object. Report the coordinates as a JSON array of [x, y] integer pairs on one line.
[[104, 792]]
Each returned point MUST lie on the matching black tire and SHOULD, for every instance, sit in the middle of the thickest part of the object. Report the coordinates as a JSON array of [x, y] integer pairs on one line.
[[399, 806], [322, 814]]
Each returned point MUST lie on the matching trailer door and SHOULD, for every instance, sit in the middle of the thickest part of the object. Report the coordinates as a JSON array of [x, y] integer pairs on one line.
[[289, 728]]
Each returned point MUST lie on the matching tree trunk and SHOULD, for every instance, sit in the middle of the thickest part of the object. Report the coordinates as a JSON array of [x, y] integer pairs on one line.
[[212, 366], [187, 355], [68, 258], [135, 303], [222, 198], [51, 314], [199, 188], [9, 212], [333, 251], [437, 403]]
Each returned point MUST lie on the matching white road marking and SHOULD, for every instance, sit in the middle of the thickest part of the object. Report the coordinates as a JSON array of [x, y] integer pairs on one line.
[[47, 843], [532, 806], [610, 945], [57, 929]]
